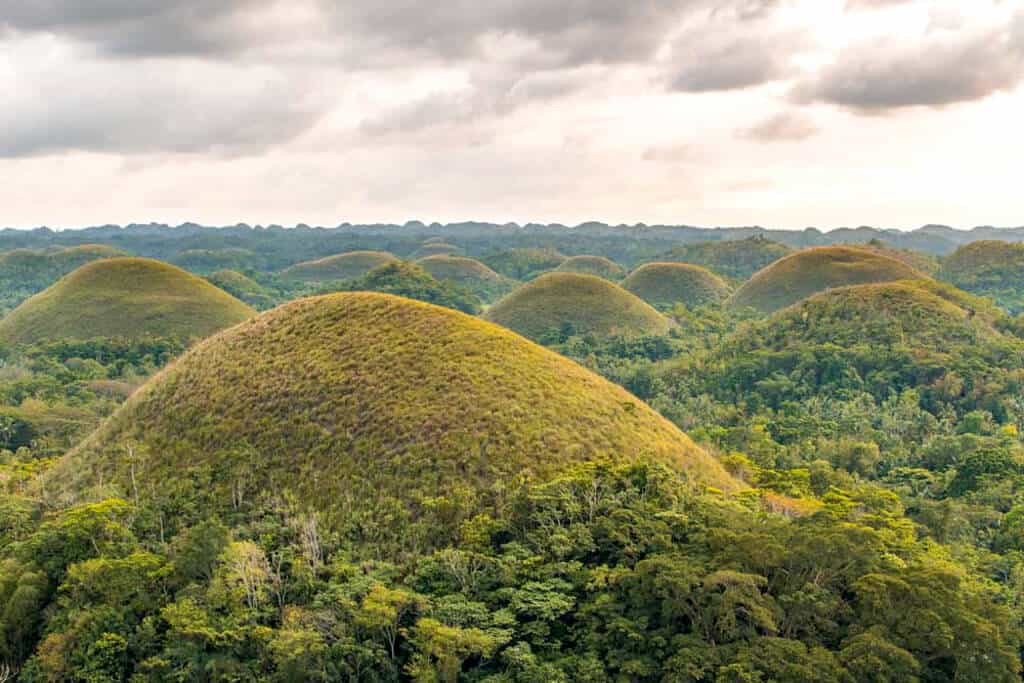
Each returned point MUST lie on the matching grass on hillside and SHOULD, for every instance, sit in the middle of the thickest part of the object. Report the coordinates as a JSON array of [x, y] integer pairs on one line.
[[124, 297], [578, 304], [347, 266], [593, 265], [800, 275], [666, 284], [390, 417]]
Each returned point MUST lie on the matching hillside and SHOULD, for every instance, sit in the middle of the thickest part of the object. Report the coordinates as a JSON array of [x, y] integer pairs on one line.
[[737, 259], [593, 265], [243, 288], [665, 284], [468, 273], [23, 272], [524, 263], [582, 304], [409, 280], [345, 266], [371, 409], [807, 272], [435, 248], [124, 297], [989, 268]]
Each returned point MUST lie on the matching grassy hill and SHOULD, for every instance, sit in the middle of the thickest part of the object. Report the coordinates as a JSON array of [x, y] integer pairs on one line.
[[810, 271], [736, 259], [593, 265], [584, 304], [388, 416], [665, 284], [524, 263], [409, 280], [436, 248], [989, 268], [345, 266], [124, 297], [242, 287], [468, 273], [23, 272]]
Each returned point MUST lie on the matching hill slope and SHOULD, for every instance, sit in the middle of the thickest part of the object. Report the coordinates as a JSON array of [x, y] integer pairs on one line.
[[376, 411], [242, 287], [345, 266], [593, 265], [665, 284], [807, 272], [989, 268], [583, 303], [124, 297]]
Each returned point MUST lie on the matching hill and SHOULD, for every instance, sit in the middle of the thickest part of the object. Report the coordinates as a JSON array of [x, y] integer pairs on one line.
[[989, 268], [665, 284], [347, 266], [387, 416], [436, 248], [409, 280], [580, 304], [23, 272], [807, 272], [124, 297], [210, 260], [593, 265], [243, 288], [466, 272], [526, 262], [736, 259]]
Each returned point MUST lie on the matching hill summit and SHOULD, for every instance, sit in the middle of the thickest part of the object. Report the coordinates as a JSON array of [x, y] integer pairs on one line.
[[800, 275], [665, 284], [347, 266], [124, 297], [579, 304], [385, 415]]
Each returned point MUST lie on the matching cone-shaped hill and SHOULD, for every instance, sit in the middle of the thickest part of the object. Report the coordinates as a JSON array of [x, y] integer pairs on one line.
[[435, 249], [243, 287], [580, 304], [989, 268], [124, 297], [666, 284], [389, 417], [593, 265], [800, 275], [468, 273], [347, 266]]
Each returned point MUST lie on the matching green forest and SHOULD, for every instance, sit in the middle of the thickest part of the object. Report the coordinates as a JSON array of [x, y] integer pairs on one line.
[[510, 454]]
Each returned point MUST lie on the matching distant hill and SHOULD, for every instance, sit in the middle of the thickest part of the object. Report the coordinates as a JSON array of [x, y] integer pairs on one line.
[[124, 297], [736, 259], [666, 284], [436, 248], [989, 268], [339, 267], [593, 265], [395, 420], [409, 280], [807, 272], [579, 304], [242, 287], [210, 260], [469, 273], [524, 264], [23, 272]]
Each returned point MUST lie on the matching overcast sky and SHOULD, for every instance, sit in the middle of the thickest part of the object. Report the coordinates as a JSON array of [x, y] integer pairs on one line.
[[784, 113]]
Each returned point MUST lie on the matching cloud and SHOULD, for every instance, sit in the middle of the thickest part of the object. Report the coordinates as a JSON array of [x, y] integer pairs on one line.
[[787, 126], [94, 105], [941, 69]]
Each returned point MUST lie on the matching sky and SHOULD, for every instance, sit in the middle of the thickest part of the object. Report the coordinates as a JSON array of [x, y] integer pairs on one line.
[[781, 113]]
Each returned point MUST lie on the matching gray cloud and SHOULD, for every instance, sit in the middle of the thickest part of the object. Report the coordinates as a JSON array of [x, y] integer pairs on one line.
[[943, 69], [787, 126], [95, 107]]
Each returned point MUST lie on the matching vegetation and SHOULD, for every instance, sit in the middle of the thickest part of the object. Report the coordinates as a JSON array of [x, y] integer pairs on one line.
[[243, 288], [593, 265], [24, 272], [212, 260], [798, 276], [130, 298], [989, 268], [525, 264], [570, 303], [468, 273], [735, 259], [347, 266], [666, 284], [394, 419], [413, 282]]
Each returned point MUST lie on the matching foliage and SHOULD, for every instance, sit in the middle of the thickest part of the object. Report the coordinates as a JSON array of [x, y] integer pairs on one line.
[[413, 282], [737, 259], [989, 268], [524, 263], [468, 273]]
